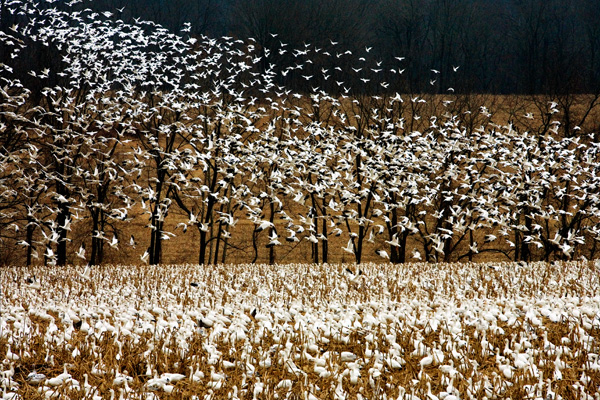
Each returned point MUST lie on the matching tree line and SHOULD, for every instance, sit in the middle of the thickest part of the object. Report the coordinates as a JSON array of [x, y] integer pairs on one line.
[[132, 122]]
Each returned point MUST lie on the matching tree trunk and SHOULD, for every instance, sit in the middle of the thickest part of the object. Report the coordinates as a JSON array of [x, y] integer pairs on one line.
[[61, 248], [271, 233], [202, 253], [471, 245], [29, 239], [403, 239], [358, 248], [218, 244], [325, 244], [156, 255], [95, 241], [393, 229]]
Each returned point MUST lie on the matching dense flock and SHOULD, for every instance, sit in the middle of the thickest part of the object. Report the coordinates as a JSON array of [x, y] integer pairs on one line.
[[302, 331], [129, 123]]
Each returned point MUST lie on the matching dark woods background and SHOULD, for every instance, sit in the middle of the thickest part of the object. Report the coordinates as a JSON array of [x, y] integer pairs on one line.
[[506, 46]]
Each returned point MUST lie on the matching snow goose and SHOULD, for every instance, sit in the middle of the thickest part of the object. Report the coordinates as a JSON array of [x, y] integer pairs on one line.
[[157, 383], [34, 378], [173, 377], [196, 376], [60, 379]]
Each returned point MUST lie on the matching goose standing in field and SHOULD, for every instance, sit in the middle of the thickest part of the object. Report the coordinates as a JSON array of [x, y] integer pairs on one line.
[[173, 377], [35, 378], [195, 375], [6, 380], [59, 379], [157, 383], [6, 395], [11, 357]]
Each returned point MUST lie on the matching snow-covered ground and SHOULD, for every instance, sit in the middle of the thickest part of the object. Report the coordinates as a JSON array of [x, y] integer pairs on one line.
[[303, 331]]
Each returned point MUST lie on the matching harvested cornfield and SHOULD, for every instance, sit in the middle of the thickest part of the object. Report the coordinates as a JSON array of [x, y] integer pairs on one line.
[[302, 331]]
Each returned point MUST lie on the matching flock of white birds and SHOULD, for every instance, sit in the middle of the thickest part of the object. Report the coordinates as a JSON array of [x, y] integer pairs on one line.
[[139, 124], [303, 331]]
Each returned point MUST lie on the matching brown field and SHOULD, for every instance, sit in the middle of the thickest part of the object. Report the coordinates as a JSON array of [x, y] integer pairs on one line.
[[495, 330]]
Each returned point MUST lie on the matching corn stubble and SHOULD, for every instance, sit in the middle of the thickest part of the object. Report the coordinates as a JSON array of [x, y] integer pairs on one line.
[[302, 331]]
